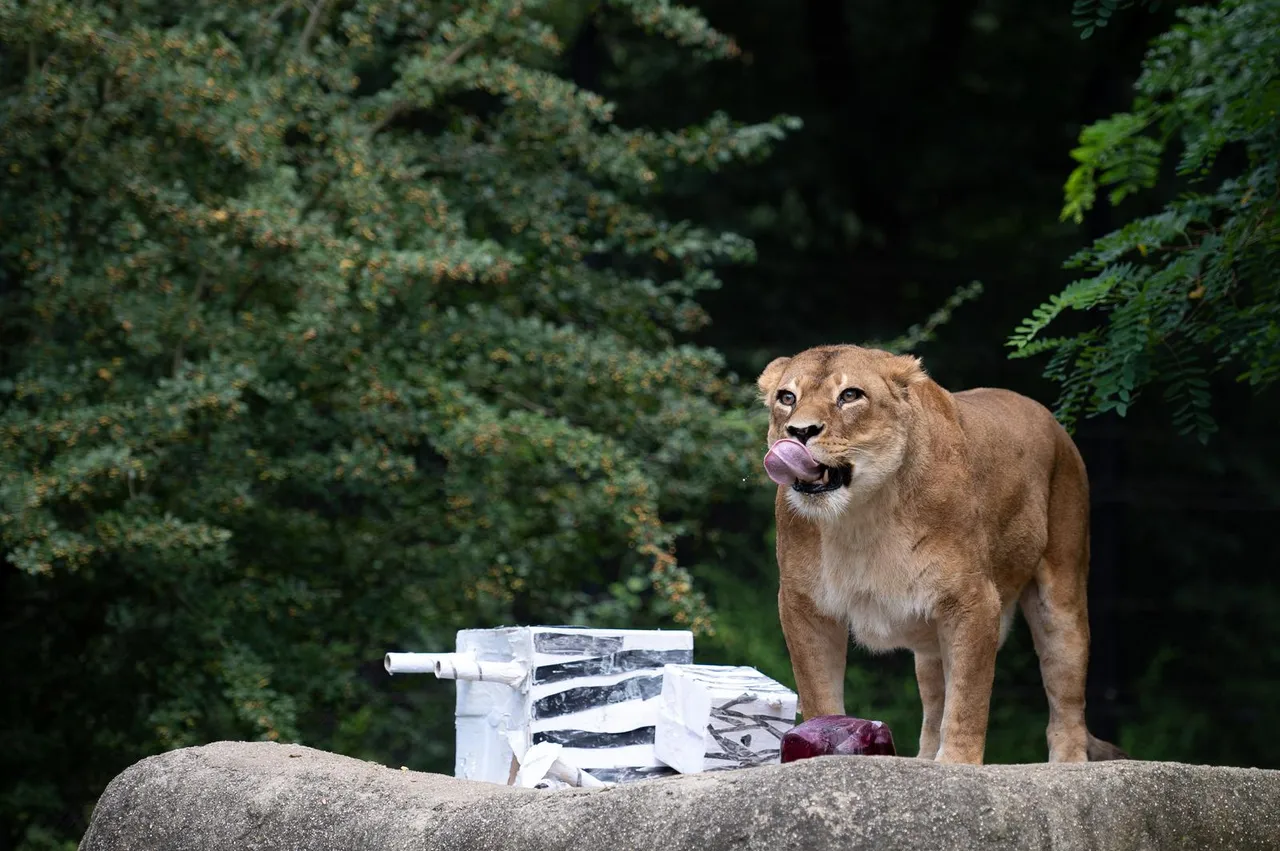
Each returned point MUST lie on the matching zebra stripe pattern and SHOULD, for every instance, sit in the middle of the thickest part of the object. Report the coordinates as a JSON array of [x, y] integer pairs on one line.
[[714, 717], [595, 692]]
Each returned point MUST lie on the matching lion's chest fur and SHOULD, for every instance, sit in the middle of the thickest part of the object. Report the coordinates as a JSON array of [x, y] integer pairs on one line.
[[871, 578]]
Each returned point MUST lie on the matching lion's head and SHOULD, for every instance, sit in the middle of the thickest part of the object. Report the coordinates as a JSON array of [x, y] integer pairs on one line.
[[852, 408]]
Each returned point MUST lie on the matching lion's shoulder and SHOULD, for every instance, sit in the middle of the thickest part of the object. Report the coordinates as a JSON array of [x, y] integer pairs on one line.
[[1003, 429], [1002, 410]]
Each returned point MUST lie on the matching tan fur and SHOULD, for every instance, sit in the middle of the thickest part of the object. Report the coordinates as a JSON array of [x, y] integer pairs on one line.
[[960, 508]]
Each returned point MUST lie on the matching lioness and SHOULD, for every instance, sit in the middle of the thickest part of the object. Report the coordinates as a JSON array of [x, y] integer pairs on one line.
[[927, 517]]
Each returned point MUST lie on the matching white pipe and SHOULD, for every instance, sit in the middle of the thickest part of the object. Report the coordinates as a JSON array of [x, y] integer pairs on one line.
[[465, 666], [573, 775], [411, 663], [535, 763], [543, 760]]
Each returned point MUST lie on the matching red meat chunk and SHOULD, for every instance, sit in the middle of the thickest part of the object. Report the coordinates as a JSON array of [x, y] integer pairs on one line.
[[837, 735]]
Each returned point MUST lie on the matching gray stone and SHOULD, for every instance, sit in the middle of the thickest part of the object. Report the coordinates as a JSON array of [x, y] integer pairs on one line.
[[241, 796]]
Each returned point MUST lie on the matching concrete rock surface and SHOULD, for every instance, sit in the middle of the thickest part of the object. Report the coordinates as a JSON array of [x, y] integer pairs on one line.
[[257, 796]]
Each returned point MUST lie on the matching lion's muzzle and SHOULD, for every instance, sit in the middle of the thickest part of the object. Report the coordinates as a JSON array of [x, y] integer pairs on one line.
[[789, 462]]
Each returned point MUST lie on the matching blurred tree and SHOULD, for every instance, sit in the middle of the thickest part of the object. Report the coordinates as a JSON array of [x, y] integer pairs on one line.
[[328, 329]]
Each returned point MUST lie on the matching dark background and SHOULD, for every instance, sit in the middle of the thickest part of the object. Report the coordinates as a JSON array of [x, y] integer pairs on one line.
[[934, 153]]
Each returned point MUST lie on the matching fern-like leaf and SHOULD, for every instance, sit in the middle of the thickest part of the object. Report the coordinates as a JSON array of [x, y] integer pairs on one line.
[[1177, 296], [1090, 15], [1080, 295]]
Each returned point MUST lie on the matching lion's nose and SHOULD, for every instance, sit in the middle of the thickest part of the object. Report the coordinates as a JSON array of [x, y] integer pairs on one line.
[[804, 433]]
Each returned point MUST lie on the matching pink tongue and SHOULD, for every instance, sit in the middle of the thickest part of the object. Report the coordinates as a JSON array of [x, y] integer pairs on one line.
[[788, 460]]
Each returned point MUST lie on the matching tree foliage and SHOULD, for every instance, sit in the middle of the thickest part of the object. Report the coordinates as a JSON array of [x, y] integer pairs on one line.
[[1091, 15], [1194, 289], [328, 329]]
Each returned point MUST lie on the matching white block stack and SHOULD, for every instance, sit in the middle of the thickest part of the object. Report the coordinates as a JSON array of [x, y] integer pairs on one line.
[[594, 692], [716, 717]]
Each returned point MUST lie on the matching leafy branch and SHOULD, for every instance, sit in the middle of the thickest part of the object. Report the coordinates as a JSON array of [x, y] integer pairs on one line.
[[1090, 15], [924, 332], [1193, 290]]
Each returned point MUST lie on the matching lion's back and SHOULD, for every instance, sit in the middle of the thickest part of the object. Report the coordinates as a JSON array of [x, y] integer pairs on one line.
[[1001, 420], [1013, 440]]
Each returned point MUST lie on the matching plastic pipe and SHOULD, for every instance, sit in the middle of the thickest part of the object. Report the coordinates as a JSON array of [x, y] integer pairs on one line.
[[465, 666], [411, 663]]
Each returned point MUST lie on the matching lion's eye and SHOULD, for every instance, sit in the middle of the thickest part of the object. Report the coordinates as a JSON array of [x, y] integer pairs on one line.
[[851, 394], [786, 397]]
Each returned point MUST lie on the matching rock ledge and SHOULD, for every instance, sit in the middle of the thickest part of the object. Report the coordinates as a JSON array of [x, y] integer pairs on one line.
[[255, 796]]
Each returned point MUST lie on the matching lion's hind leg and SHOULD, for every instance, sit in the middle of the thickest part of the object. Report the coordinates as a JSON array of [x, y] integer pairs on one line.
[[1056, 606], [1055, 610]]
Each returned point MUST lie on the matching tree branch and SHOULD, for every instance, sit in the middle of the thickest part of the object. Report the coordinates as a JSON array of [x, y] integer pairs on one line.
[[195, 300], [528, 405], [312, 22], [459, 51], [402, 107], [279, 10]]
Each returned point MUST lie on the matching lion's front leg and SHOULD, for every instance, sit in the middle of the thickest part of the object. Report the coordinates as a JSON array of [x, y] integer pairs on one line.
[[969, 631], [818, 646]]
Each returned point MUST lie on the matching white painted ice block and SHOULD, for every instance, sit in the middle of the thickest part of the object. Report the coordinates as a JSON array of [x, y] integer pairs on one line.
[[593, 691], [716, 717]]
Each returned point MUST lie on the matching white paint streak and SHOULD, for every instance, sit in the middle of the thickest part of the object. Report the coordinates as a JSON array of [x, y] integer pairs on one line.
[[634, 756], [541, 690], [612, 718], [654, 639]]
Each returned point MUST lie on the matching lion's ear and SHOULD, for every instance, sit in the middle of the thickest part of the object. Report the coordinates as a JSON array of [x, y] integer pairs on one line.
[[768, 379], [902, 371]]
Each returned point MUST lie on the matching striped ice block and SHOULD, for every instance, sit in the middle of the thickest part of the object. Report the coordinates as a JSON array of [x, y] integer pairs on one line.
[[594, 691], [714, 717]]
